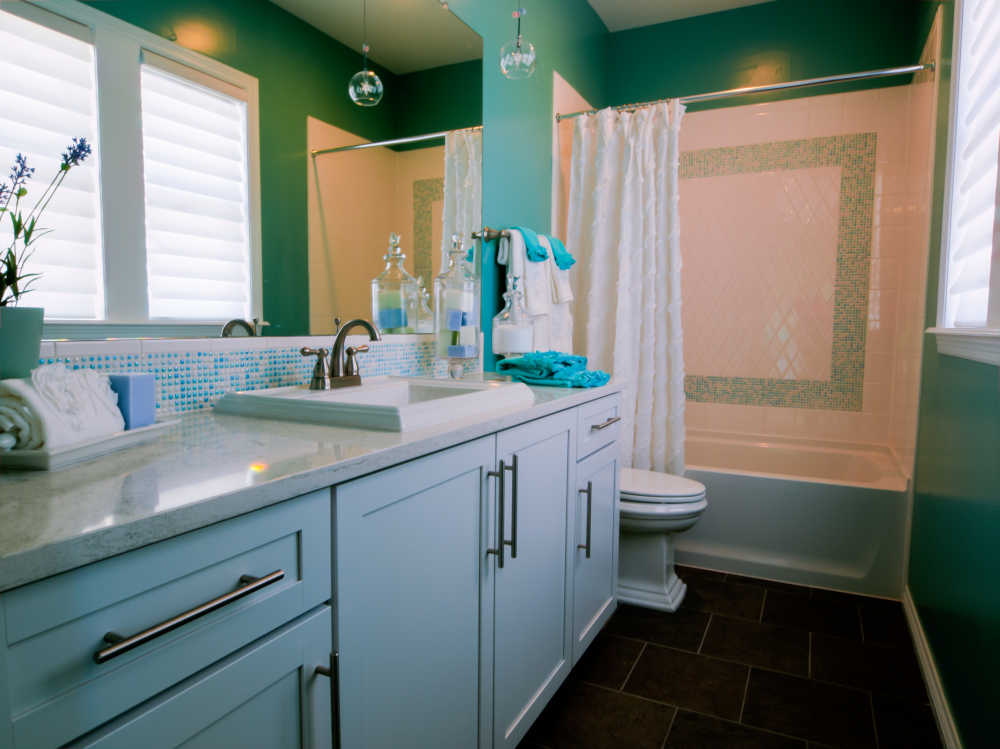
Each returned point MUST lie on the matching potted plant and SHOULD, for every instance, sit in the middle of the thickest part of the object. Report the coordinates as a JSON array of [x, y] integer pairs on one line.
[[21, 327]]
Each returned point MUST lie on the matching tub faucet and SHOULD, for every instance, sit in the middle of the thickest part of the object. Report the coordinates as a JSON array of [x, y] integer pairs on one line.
[[344, 363]]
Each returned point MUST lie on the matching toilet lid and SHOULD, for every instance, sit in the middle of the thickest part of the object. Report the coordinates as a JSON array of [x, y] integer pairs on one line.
[[651, 486]]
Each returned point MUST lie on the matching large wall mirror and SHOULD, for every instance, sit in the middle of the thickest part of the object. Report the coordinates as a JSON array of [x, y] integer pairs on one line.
[[423, 185], [272, 213]]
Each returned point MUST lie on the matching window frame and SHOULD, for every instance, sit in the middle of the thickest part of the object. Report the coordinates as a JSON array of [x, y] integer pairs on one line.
[[980, 343], [118, 51]]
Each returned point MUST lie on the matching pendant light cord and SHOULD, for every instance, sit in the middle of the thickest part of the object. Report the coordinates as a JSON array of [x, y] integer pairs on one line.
[[364, 32]]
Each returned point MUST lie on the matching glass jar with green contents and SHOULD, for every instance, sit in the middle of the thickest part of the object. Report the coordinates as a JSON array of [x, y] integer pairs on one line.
[[395, 293]]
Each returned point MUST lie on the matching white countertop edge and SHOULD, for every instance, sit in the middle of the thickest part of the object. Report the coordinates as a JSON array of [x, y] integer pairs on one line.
[[51, 558]]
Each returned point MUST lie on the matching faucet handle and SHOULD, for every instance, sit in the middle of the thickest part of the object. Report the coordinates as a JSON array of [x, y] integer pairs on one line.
[[321, 372], [351, 367]]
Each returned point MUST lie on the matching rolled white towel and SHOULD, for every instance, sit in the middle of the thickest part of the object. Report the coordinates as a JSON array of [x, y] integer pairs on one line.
[[57, 406]]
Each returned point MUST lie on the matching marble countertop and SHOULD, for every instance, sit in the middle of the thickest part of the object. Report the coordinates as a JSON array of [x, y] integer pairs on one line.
[[206, 468]]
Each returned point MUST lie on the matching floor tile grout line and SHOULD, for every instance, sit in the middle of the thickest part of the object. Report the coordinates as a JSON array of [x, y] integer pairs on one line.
[[861, 622], [634, 664], [763, 600], [670, 728], [809, 671], [871, 705], [704, 634], [734, 661], [746, 693], [762, 729]]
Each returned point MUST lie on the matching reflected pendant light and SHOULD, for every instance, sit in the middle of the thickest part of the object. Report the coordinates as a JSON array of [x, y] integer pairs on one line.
[[365, 88], [517, 57]]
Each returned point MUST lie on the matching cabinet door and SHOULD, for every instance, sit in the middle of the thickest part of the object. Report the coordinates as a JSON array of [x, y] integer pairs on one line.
[[531, 628], [407, 597], [265, 696], [594, 545]]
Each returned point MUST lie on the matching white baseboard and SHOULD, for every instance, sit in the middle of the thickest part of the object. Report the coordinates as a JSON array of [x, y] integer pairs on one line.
[[935, 690]]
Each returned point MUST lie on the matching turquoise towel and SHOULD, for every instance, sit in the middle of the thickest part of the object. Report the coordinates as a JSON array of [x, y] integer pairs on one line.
[[553, 368], [536, 253], [560, 254]]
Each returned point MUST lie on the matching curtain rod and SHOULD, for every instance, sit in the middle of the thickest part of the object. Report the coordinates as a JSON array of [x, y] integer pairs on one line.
[[394, 142], [880, 73]]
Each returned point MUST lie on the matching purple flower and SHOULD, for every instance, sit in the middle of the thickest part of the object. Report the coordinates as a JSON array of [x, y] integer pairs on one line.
[[4, 192], [20, 172], [78, 151]]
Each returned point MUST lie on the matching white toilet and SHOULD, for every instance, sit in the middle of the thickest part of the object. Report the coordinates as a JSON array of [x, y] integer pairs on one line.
[[654, 506]]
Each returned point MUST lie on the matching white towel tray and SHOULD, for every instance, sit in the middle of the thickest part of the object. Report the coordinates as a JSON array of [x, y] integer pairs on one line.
[[44, 459]]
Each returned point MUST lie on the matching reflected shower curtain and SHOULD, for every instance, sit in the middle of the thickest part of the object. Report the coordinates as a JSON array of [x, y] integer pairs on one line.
[[624, 229], [463, 180]]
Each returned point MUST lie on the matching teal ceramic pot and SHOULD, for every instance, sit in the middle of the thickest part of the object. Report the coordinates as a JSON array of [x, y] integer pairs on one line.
[[20, 340]]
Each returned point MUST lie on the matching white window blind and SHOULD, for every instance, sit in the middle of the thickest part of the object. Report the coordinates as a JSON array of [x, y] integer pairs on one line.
[[973, 199], [194, 136], [47, 97]]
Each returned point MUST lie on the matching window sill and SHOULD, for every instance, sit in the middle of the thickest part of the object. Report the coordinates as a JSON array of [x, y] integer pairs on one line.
[[977, 344]]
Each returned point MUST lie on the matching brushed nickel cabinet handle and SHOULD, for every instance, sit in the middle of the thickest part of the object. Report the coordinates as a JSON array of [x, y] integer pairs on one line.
[[589, 491], [117, 645], [513, 506], [605, 424], [500, 513], [333, 674]]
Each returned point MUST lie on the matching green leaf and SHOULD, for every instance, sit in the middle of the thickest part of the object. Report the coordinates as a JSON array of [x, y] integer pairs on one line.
[[21, 193]]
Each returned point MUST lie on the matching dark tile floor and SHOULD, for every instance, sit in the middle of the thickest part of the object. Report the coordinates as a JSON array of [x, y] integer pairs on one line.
[[745, 663]]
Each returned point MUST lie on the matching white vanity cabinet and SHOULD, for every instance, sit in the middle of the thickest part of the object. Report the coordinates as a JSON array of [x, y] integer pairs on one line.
[[461, 597]]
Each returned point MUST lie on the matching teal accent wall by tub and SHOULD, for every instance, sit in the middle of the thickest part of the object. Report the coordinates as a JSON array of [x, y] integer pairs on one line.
[[854, 154], [517, 143], [784, 40], [955, 543], [301, 72]]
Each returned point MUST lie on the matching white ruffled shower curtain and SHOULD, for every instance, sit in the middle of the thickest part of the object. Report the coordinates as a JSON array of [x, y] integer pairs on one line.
[[624, 229], [463, 198]]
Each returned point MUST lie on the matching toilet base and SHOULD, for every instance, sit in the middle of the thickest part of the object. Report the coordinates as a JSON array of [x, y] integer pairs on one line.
[[646, 575]]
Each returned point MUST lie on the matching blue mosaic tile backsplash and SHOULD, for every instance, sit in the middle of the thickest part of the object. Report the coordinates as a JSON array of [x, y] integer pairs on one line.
[[193, 374]]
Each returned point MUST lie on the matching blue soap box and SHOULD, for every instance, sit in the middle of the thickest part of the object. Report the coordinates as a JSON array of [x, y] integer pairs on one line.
[[136, 398]]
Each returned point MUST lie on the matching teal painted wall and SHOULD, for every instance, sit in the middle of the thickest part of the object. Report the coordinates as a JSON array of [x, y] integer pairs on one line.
[[784, 40], [955, 544], [302, 72], [444, 98], [517, 143]]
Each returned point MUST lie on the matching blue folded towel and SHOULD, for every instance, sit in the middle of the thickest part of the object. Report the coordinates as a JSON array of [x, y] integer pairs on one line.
[[536, 253], [553, 368], [559, 253]]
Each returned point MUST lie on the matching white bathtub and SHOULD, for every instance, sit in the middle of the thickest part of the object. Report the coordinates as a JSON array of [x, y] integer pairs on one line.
[[824, 514]]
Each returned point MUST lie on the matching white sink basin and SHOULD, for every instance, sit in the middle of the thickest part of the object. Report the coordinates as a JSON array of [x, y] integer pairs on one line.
[[394, 404]]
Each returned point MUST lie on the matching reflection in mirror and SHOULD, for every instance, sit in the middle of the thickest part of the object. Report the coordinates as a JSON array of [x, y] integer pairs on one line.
[[424, 184]]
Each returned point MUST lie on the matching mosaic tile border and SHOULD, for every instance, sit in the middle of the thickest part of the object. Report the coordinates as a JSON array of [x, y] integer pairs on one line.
[[855, 155], [425, 192], [192, 374]]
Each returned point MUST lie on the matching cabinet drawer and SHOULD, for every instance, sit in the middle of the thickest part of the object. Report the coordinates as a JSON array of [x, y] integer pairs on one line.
[[54, 628], [265, 696], [598, 425]]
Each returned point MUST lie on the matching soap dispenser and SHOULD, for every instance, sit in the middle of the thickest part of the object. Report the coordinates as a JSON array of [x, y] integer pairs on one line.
[[395, 293], [456, 311], [512, 331]]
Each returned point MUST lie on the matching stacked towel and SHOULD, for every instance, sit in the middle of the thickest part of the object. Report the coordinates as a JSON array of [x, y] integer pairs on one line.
[[57, 406], [553, 368], [534, 275]]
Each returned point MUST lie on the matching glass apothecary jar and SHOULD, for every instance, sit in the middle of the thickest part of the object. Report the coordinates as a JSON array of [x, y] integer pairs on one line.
[[395, 293], [456, 310], [425, 317], [512, 331]]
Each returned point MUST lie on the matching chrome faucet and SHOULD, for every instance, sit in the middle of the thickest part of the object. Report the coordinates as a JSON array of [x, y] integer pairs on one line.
[[344, 364]]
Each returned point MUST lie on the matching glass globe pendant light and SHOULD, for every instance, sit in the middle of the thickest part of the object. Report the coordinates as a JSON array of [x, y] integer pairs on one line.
[[517, 57], [365, 87]]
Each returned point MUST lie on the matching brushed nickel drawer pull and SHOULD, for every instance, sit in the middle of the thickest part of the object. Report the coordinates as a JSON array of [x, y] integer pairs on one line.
[[513, 506], [605, 424], [332, 673], [500, 512], [589, 491], [118, 644]]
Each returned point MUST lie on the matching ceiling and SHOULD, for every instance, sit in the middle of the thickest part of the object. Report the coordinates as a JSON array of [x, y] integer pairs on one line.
[[404, 35], [628, 14]]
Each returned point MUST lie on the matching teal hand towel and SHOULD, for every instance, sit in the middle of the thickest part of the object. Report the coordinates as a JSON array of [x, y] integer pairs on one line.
[[559, 253], [536, 253], [553, 368]]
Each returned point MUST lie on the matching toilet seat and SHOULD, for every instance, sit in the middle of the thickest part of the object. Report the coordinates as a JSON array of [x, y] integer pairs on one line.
[[653, 487]]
